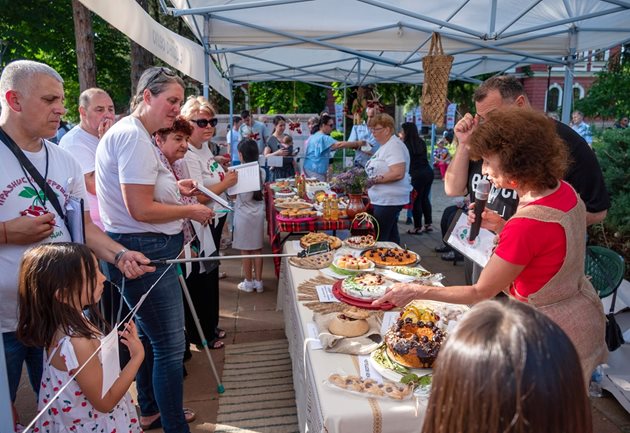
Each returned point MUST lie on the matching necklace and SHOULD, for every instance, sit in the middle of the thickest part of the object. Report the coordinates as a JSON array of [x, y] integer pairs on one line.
[[40, 195]]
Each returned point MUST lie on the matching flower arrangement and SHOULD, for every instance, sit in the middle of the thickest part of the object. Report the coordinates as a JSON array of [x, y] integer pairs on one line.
[[353, 181]]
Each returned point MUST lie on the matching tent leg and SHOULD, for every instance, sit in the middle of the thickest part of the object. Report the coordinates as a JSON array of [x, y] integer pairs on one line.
[[204, 342]]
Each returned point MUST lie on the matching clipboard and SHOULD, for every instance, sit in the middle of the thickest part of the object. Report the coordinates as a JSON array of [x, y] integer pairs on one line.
[[457, 237], [205, 191], [75, 219]]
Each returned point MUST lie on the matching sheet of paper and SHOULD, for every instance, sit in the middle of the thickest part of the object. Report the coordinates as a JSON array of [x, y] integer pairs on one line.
[[110, 360], [325, 294], [274, 161], [389, 318], [480, 250], [248, 178], [313, 334], [205, 191], [367, 371]]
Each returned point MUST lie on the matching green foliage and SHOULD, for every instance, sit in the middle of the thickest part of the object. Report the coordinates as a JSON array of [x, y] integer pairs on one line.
[[43, 30], [614, 158], [287, 97], [607, 97]]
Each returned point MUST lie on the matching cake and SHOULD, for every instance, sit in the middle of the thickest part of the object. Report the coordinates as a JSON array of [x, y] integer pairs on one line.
[[416, 338], [391, 256], [365, 286], [350, 262], [317, 237]]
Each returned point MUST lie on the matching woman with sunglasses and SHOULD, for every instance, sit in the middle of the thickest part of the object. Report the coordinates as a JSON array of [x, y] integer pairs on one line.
[[207, 168], [317, 155], [388, 170], [141, 209]]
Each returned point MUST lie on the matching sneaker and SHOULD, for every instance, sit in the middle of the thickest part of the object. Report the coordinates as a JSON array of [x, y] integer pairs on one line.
[[246, 286], [258, 286]]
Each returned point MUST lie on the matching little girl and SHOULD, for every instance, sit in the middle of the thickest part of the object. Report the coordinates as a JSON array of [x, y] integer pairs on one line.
[[249, 221], [60, 284]]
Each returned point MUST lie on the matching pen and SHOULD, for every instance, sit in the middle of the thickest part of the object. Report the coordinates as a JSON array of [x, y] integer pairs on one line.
[[222, 211]]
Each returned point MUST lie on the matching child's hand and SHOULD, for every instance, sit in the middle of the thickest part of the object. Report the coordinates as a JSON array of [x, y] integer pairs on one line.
[[129, 337]]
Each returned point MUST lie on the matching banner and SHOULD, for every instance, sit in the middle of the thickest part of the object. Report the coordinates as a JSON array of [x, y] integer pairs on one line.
[[179, 52], [339, 117], [409, 116], [418, 113], [451, 114]]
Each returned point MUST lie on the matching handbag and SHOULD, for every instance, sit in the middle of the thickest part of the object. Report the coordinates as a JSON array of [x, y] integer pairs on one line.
[[43, 185], [436, 67]]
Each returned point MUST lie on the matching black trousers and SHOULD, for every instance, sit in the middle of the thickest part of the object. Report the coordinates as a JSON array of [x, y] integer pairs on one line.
[[422, 204], [387, 222]]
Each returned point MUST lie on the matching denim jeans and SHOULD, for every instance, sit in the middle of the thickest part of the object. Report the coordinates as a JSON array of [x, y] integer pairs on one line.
[[15, 354], [160, 320]]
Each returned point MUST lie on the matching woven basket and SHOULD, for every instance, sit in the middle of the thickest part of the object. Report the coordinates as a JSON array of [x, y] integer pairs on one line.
[[437, 67]]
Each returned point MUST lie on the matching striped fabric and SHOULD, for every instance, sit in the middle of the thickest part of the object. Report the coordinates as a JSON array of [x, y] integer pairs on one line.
[[259, 395]]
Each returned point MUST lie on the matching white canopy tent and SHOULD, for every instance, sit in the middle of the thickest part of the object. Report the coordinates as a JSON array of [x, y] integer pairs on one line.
[[359, 42]]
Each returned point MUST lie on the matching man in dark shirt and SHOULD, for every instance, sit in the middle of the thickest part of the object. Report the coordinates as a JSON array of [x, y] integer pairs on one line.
[[584, 172]]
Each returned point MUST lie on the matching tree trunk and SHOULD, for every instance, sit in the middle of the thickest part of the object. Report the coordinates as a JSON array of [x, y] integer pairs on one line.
[[84, 38], [141, 59]]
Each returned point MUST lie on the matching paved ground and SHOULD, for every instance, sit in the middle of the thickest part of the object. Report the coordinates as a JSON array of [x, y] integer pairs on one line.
[[251, 317]]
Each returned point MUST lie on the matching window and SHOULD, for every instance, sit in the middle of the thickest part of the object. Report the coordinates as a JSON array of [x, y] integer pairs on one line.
[[554, 98]]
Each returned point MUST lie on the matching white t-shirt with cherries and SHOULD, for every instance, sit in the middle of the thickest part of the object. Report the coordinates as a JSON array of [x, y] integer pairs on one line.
[[202, 165], [394, 193], [16, 194], [82, 145], [126, 155]]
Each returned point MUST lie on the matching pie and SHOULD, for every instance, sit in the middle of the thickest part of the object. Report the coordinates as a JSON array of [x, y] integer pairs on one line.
[[316, 238], [360, 241], [391, 256], [318, 261], [366, 285]]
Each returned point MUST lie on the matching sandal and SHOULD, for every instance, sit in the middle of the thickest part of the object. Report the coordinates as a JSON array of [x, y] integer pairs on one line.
[[216, 344], [428, 228], [415, 231], [189, 415], [220, 333]]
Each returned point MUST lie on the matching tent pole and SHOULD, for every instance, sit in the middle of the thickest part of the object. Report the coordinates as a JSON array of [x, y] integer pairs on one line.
[[231, 120], [206, 57], [567, 96]]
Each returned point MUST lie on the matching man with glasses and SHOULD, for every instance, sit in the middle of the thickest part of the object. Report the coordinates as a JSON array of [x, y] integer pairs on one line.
[[317, 155], [253, 129], [362, 132], [462, 175]]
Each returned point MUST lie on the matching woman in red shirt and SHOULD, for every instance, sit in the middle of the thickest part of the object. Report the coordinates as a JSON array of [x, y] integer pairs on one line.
[[539, 258]]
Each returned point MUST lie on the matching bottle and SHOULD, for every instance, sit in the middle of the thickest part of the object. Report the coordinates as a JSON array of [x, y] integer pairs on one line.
[[595, 386], [334, 209], [301, 190], [326, 207]]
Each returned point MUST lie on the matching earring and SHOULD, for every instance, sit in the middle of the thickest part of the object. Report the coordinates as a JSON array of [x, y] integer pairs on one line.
[[513, 184]]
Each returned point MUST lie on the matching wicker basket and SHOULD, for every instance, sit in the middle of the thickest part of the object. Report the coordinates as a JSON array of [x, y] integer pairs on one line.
[[437, 67]]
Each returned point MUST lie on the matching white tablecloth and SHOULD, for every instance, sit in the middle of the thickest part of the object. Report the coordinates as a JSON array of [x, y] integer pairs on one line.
[[321, 409]]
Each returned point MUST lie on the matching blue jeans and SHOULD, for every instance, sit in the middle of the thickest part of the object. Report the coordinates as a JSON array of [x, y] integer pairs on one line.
[[15, 354], [160, 320]]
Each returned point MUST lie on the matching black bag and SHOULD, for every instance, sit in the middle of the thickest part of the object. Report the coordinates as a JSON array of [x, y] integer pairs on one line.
[[614, 336]]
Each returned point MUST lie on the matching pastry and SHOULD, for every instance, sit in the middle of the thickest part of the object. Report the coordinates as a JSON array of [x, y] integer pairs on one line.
[[360, 241], [416, 338], [365, 286], [318, 261], [391, 256], [369, 387], [352, 322], [353, 263], [315, 238]]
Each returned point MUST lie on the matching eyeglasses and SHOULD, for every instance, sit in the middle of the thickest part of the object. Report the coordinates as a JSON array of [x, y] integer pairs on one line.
[[376, 129], [203, 123]]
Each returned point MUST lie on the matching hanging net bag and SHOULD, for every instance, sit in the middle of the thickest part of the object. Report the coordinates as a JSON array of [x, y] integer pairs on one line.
[[437, 67]]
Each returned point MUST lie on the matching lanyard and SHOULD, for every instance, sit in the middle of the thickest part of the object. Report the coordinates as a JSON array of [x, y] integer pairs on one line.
[[41, 195]]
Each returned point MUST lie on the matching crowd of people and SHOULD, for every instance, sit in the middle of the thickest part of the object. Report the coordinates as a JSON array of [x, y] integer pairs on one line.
[[139, 178]]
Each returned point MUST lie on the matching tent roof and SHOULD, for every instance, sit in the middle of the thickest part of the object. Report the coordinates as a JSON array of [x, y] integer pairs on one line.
[[366, 41]]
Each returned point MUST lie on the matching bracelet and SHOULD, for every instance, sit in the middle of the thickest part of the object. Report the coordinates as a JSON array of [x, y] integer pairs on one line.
[[4, 229], [119, 255]]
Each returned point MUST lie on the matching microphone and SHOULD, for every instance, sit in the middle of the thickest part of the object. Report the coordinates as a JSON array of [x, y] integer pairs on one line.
[[481, 198]]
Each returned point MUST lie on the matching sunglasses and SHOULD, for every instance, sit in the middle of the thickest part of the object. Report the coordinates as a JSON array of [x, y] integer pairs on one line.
[[159, 71], [203, 123]]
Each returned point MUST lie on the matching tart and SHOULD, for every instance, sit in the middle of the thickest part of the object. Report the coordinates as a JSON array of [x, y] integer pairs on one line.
[[360, 241], [365, 286], [316, 237], [318, 261], [391, 256]]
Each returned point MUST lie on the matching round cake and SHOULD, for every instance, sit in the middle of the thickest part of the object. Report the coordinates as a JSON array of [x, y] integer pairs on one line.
[[390, 256], [415, 339], [365, 286]]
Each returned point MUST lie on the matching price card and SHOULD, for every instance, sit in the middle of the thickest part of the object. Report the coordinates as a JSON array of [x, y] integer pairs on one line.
[[367, 371], [313, 336], [389, 318], [325, 294]]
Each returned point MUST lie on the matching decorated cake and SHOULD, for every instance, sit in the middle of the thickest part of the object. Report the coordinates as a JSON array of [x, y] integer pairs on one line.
[[416, 338], [391, 256], [366, 286], [350, 262]]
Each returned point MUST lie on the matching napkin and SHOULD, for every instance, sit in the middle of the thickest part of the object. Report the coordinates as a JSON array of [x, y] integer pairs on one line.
[[361, 345]]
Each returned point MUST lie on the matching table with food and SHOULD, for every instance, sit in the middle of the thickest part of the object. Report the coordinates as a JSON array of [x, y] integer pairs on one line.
[[301, 206], [357, 367]]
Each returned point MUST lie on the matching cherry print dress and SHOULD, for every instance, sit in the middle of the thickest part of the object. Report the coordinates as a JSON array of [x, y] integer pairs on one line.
[[71, 412]]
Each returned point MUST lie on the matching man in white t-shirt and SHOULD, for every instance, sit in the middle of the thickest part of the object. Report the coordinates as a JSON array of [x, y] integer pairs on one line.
[[254, 129], [362, 132], [32, 99], [96, 110]]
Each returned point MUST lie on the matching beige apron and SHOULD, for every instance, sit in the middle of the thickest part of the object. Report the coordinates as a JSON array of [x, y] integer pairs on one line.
[[568, 298]]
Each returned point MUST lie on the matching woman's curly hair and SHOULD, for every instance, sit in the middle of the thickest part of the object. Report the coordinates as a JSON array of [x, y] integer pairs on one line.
[[527, 144]]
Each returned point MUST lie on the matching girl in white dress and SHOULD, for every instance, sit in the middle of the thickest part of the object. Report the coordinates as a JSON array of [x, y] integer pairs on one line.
[[60, 284]]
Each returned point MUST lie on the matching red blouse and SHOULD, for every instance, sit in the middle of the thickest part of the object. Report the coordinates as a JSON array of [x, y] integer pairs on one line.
[[540, 246]]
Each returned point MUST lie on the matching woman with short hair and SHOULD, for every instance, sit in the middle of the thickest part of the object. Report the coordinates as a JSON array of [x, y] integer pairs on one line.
[[388, 170]]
